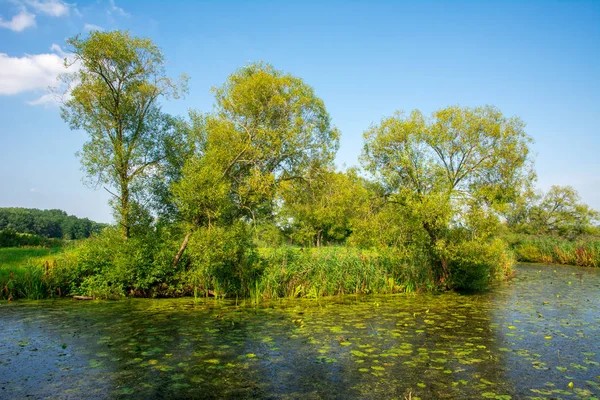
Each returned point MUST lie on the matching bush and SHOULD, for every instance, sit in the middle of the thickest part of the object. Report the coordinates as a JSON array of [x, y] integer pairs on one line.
[[110, 266], [12, 238], [473, 265], [222, 261]]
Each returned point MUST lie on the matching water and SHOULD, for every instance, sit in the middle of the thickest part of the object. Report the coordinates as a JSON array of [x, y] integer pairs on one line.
[[528, 338]]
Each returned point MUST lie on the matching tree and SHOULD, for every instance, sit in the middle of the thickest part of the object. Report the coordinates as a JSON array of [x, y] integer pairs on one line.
[[558, 212], [322, 209], [114, 97], [438, 168], [268, 127]]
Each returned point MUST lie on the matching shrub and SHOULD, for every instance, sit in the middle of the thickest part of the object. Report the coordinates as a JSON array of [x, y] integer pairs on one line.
[[12, 238], [473, 264], [107, 265], [222, 261]]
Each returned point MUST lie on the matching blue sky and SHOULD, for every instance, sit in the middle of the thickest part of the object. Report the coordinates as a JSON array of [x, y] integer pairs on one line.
[[536, 60]]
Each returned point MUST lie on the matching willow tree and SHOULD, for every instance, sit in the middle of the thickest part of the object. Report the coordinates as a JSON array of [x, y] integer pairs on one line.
[[323, 209], [439, 168], [557, 212], [267, 127], [113, 96]]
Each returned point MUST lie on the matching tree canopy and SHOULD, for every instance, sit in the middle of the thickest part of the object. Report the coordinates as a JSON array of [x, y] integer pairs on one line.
[[114, 97], [47, 223], [558, 212], [268, 127], [439, 167], [433, 204]]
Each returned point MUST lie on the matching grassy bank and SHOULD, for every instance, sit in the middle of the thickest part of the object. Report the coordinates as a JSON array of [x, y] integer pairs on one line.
[[24, 271], [272, 273], [223, 266], [583, 252]]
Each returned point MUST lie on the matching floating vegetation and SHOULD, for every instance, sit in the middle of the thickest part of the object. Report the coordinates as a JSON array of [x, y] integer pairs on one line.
[[489, 345]]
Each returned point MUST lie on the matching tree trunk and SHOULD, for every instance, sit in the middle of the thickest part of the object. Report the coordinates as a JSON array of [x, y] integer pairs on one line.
[[125, 212], [182, 248]]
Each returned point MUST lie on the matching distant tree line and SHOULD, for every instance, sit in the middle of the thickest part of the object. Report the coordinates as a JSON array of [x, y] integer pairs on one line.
[[55, 224]]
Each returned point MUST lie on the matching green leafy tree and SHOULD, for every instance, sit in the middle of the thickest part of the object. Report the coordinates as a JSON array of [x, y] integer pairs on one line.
[[268, 127], [322, 209], [436, 169], [114, 97], [47, 223], [558, 212]]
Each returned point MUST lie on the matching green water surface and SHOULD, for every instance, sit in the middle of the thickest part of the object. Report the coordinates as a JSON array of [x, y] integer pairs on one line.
[[537, 336]]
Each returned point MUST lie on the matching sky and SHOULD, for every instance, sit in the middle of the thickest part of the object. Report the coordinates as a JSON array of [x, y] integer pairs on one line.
[[536, 60]]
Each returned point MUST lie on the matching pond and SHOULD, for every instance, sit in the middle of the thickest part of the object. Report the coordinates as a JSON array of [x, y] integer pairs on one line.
[[537, 336]]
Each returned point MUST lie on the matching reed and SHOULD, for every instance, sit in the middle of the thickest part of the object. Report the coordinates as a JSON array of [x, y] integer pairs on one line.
[[294, 272], [583, 252]]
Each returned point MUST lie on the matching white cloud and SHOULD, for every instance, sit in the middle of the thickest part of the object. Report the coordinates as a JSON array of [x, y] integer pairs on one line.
[[36, 73], [53, 8], [58, 50], [28, 73], [115, 10], [92, 27], [48, 99], [19, 22]]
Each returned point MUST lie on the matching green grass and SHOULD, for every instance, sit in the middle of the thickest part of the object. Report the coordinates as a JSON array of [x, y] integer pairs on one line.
[[17, 257], [23, 272]]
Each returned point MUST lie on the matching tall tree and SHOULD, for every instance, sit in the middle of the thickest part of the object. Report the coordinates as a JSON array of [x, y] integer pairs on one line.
[[268, 127], [114, 97], [439, 167], [558, 212]]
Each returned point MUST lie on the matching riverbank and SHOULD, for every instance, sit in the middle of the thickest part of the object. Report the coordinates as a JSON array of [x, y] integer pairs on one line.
[[90, 269]]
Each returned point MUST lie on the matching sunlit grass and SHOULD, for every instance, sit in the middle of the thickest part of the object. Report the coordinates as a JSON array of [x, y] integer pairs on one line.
[[22, 271], [294, 272]]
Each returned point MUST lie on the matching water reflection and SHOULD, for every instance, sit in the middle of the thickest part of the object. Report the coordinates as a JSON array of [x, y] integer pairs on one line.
[[517, 340]]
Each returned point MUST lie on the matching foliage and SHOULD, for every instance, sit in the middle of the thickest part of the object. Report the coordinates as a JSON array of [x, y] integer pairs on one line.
[[473, 265], [113, 97], [11, 238], [109, 265], [24, 272], [47, 223], [321, 209], [437, 170], [295, 272], [223, 261], [268, 127], [258, 169], [559, 212]]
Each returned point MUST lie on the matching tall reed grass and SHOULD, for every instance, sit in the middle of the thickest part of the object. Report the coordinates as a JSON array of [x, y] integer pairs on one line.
[[584, 252], [294, 272]]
